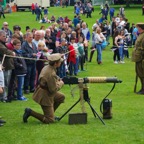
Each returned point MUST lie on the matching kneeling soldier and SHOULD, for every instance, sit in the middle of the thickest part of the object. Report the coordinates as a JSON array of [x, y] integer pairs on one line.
[[46, 93]]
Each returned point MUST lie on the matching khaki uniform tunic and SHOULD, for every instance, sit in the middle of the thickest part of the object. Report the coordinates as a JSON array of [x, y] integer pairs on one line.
[[47, 95], [139, 45]]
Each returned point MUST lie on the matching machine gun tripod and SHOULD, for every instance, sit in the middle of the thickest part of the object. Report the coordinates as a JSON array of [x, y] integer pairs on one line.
[[84, 90], [83, 96]]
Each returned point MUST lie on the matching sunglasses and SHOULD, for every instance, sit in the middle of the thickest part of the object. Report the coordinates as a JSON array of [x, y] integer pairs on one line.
[[5, 25]]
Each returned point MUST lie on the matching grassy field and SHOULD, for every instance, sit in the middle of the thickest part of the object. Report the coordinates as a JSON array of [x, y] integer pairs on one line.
[[127, 124]]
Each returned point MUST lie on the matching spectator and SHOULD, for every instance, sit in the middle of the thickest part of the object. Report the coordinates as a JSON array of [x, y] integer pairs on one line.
[[66, 19], [105, 12], [122, 11], [134, 35], [119, 41], [1, 90], [93, 47], [86, 33], [99, 38], [131, 30], [7, 64], [20, 69], [88, 9], [28, 29], [81, 53], [111, 12], [72, 57], [115, 48], [102, 19], [77, 10], [62, 49], [50, 40], [2, 11], [45, 11], [7, 31], [75, 21], [53, 19], [30, 51], [33, 8], [12, 84], [1, 80], [66, 3], [42, 54], [38, 13], [17, 30]]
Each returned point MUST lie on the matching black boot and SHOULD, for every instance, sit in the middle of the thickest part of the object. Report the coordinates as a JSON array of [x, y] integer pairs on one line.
[[26, 114], [2, 121]]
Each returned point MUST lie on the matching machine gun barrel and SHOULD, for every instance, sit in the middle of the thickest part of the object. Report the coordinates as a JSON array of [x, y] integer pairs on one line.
[[102, 80], [75, 80]]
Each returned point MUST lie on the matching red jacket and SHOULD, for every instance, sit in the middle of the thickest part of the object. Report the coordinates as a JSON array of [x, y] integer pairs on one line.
[[72, 55], [33, 6], [10, 46]]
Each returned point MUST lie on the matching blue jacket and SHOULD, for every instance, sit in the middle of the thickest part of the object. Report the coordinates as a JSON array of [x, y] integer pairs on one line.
[[28, 51], [19, 63]]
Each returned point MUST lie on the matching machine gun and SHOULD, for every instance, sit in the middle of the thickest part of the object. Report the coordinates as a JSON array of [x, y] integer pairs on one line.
[[82, 83], [75, 80]]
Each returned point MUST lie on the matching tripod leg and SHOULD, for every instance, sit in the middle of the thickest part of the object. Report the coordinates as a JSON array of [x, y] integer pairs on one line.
[[69, 109], [95, 113]]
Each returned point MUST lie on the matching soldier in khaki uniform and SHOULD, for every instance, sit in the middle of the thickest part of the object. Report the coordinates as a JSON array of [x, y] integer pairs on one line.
[[46, 94], [139, 47]]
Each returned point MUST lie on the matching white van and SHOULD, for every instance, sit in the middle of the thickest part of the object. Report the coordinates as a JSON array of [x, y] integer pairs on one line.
[[26, 4]]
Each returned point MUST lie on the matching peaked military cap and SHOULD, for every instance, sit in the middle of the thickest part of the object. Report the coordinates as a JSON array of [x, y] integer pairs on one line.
[[55, 57], [141, 25]]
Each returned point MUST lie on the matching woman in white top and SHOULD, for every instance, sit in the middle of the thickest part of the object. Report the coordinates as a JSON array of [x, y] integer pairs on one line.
[[119, 41], [99, 38]]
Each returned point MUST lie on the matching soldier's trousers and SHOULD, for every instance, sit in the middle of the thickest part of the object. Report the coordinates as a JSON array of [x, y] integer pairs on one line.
[[48, 111]]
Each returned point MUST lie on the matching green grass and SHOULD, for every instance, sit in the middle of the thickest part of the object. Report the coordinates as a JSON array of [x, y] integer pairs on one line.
[[127, 124]]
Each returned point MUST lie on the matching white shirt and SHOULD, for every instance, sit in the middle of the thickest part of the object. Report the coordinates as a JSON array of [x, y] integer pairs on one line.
[[99, 38], [1, 79]]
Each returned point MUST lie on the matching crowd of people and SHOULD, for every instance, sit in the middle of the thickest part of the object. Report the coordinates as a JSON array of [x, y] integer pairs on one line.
[[68, 37], [26, 56]]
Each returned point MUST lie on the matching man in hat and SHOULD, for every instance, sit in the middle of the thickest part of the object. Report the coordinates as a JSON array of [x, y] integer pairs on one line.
[[46, 93], [139, 48]]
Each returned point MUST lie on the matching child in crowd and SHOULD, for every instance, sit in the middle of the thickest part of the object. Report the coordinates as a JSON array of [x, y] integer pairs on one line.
[[63, 49], [20, 69], [43, 53], [72, 57], [81, 53]]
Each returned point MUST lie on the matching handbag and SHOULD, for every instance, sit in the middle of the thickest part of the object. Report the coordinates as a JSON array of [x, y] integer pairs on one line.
[[104, 44]]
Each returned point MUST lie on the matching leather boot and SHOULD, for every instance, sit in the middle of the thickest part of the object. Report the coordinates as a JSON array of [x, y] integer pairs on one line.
[[26, 114], [141, 91]]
